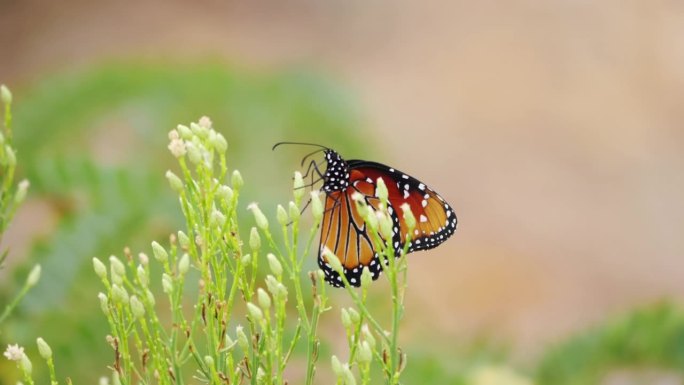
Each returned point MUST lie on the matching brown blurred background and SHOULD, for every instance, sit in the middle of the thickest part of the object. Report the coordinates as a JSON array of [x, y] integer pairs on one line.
[[553, 127]]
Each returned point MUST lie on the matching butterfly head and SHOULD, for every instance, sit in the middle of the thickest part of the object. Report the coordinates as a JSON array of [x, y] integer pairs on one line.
[[336, 176]]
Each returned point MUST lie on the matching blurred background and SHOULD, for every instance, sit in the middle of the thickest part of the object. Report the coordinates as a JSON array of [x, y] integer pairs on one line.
[[553, 127]]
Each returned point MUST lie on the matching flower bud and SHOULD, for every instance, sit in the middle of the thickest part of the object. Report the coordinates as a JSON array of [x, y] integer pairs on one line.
[[255, 313], [336, 366], [5, 95], [209, 361], [260, 375], [117, 266], [385, 224], [44, 349], [174, 181], [194, 153], [354, 316], [217, 218], [150, 297], [119, 294], [366, 277], [242, 339], [348, 375], [298, 186], [281, 215], [274, 265], [316, 206], [225, 193], [159, 252], [199, 130], [346, 321], [259, 216], [33, 277], [183, 240], [177, 147], [184, 131], [246, 259], [409, 219], [184, 264], [22, 189], [271, 284], [142, 276], [371, 219], [167, 283], [332, 260], [100, 268], [205, 122], [254, 239], [137, 307], [104, 303], [264, 299], [381, 190], [294, 211], [25, 365], [365, 354], [368, 335], [143, 259], [236, 180], [219, 143]]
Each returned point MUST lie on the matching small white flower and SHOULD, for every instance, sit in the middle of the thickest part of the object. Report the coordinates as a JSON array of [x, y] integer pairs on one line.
[[177, 147], [14, 352], [173, 135], [205, 122]]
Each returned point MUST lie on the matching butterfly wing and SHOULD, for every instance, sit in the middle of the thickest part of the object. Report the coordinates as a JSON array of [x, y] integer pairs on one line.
[[344, 231]]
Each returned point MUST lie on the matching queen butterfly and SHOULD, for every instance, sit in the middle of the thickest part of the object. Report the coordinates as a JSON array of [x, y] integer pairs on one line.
[[343, 230]]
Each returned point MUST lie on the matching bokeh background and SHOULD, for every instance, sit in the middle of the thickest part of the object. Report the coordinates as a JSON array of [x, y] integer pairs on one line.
[[553, 127]]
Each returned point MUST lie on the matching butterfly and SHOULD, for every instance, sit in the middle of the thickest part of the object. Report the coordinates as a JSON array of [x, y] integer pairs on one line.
[[343, 230]]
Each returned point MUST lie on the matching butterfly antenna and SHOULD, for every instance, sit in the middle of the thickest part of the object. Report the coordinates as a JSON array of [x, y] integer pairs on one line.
[[299, 143]]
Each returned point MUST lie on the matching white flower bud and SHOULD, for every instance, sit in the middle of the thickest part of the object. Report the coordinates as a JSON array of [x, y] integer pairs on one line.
[[236, 180], [159, 253], [44, 349], [209, 361], [174, 181], [365, 354], [225, 193], [142, 276], [184, 131], [119, 294], [281, 215], [246, 259], [298, 186], [150, 297], [100, 268], [194, 153], [143, 259], [177, 147], [25, 365], [354, 316], [336, 366], [316, 206], [409, 219], [366, 277], [368, 335], [183, 240], [385, 224], [346, 321], [381, 190], [22, 189], [220, 143], [242, 339], [184, 264], [167, 283], [217, 218], [117, 266], [104, 303], [332, 260], [254, 312], [264, 299], [33, 277], [137, 307], [259, 216], [254, 239], [294, 211], [274, 265], [205, 122]]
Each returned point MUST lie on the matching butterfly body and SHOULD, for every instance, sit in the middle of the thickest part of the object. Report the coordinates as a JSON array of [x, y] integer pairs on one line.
[[344, 232]]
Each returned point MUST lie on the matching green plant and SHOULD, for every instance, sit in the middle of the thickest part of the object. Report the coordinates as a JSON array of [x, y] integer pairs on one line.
[[238, 328]]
